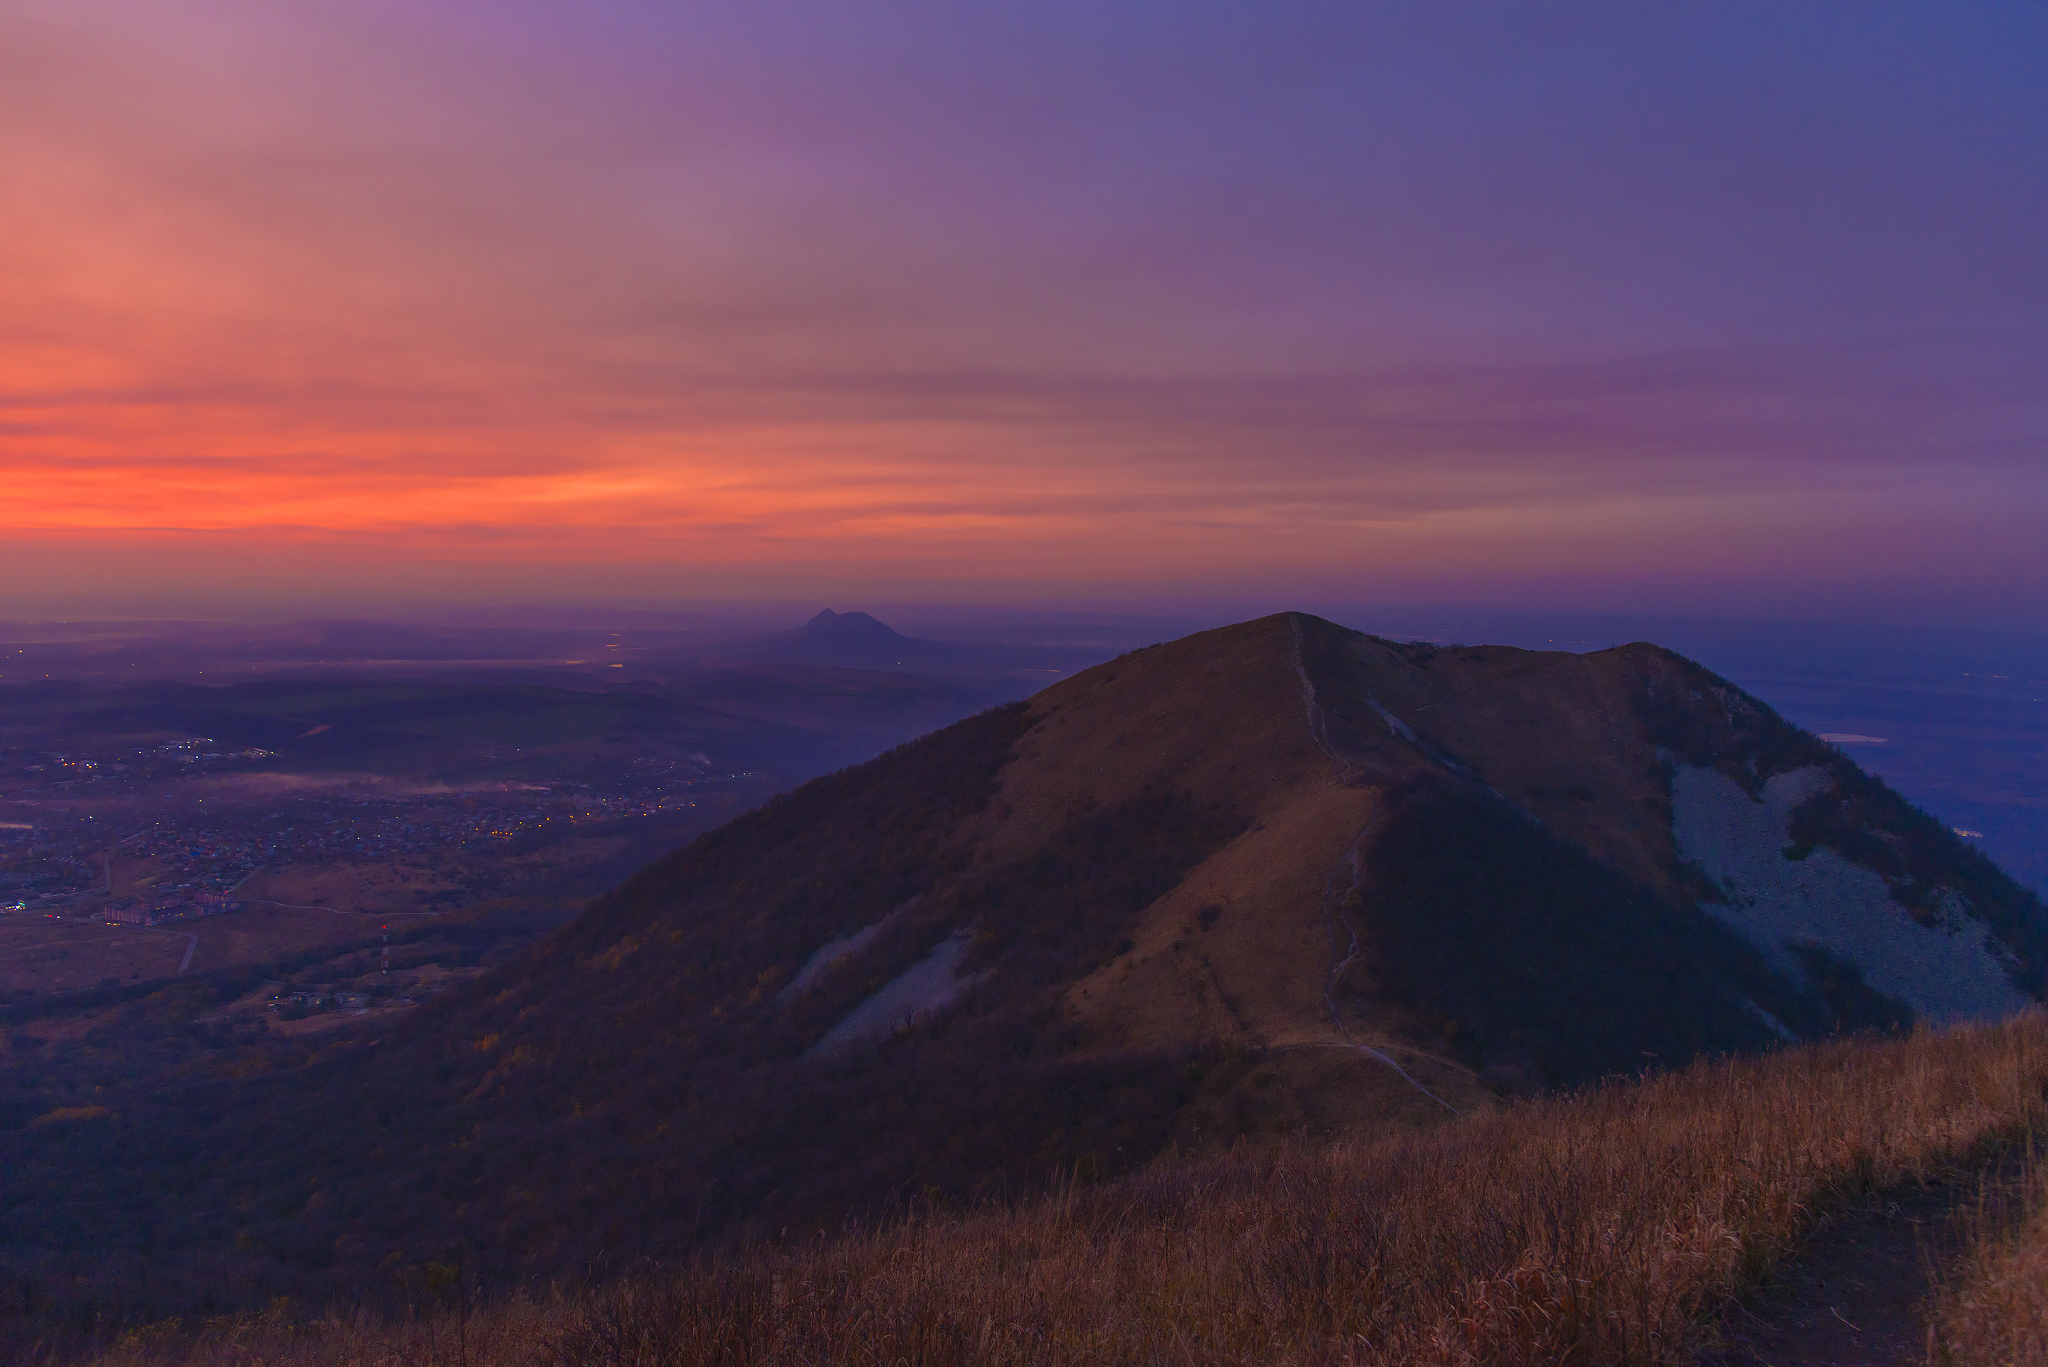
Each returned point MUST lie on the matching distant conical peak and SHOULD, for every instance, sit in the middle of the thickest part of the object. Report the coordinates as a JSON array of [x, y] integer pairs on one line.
[[848, 624]]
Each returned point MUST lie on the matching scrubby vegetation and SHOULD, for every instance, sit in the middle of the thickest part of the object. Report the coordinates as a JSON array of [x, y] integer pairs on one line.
[[1926, 865], [1501, 935], [485, 1121], [71, 1049], [1702, 719], [1604, 1227], [1544, 965], [634, 1089]]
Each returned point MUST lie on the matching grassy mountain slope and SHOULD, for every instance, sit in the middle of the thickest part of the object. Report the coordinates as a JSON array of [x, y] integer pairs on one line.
[[1272, 878], [1622, 1225]]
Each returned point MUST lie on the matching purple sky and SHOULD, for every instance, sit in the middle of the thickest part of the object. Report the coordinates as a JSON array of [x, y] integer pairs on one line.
[[1735, 309]]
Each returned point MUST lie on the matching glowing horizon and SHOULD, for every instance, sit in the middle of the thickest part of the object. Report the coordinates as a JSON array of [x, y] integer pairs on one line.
[[1595, 309]]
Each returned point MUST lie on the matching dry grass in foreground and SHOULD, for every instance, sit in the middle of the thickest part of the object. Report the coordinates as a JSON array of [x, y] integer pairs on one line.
[[1603, 1228], [1994, 1310]]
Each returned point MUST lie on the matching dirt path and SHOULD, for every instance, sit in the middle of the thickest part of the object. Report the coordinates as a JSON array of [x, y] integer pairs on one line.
[[1333, 900], [1855, 1296]]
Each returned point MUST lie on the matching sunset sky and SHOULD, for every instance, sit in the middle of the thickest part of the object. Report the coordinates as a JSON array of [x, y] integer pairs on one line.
[[1731, 309]]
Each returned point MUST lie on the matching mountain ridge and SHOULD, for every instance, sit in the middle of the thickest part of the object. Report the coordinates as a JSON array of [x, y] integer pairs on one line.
[[1273, 878]]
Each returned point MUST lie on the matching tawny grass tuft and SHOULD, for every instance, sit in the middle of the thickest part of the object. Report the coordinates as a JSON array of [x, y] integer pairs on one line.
[[1604, 1228]]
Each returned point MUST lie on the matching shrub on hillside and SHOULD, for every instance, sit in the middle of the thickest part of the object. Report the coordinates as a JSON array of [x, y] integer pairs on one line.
[[1525, 950]]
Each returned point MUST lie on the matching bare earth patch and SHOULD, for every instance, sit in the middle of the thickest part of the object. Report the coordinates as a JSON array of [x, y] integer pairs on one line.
[[1857, 1295]]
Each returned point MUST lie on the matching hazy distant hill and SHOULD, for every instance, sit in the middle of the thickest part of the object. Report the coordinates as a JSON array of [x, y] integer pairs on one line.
[[850, 638], [1272, 877], [857, 640]]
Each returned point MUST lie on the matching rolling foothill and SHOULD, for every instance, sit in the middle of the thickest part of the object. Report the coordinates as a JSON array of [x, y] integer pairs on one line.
[[188, 860]]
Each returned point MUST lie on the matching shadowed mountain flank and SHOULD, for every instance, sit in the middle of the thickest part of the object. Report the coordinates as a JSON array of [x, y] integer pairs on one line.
[[1274, 878]]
